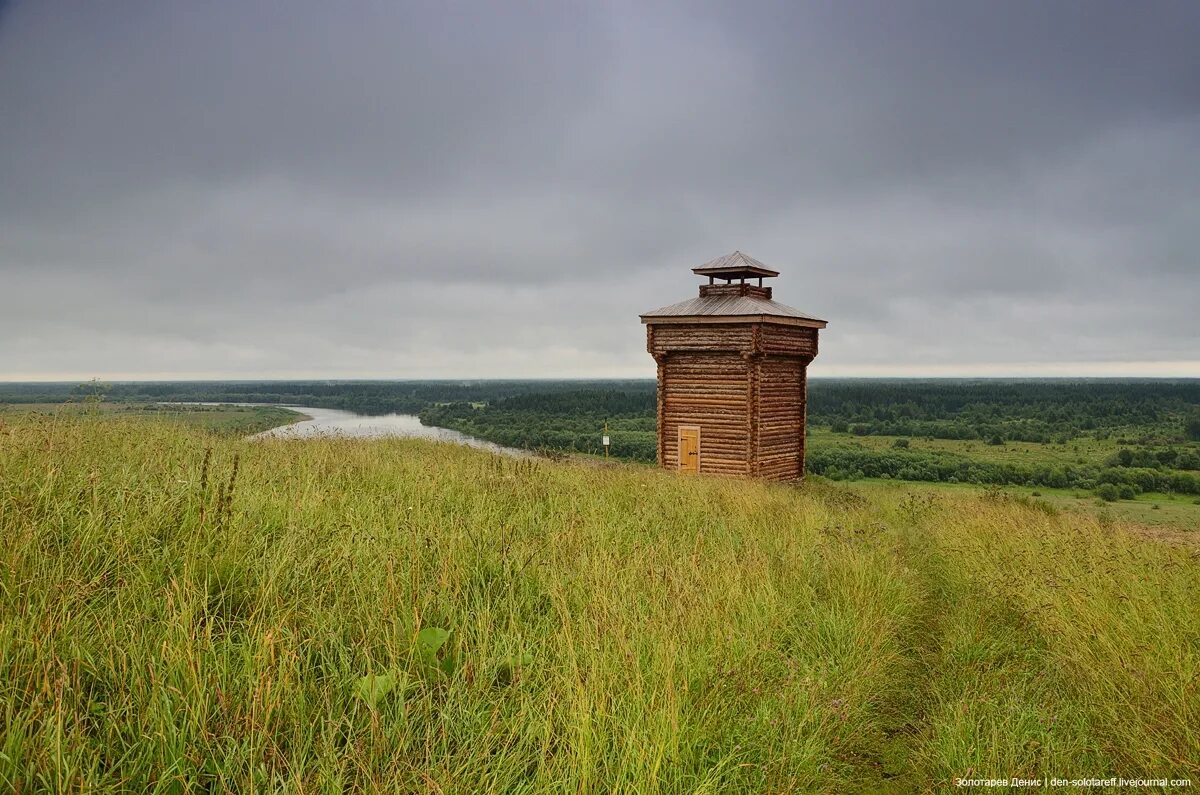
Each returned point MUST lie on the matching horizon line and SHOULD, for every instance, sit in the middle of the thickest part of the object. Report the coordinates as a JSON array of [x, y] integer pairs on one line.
[[1158, 369], [501, 379]]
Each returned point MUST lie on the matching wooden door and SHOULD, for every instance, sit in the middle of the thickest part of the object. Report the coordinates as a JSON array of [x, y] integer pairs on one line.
[[689, 448]]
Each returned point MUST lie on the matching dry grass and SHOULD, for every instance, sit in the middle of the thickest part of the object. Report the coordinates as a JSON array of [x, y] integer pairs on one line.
[[169, 625]]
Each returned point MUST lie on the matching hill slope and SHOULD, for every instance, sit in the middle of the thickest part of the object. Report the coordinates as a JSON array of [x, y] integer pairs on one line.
[[179, 610]]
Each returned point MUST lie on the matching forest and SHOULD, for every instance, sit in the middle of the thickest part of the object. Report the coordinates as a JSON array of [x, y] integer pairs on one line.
[[362, 397]]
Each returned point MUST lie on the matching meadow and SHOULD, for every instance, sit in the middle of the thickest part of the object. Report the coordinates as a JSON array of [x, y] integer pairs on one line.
[[183, 610], [225, 419]]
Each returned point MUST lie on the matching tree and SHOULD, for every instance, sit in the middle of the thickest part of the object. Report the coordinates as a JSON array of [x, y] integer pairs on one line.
[[1187, 460], [1191, 426], [94, 391]]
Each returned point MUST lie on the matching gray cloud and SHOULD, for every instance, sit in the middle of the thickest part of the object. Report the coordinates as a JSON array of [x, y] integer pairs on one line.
[[428, 189]]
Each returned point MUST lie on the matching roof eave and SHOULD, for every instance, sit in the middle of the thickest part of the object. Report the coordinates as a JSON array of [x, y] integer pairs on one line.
[[783, 320], [735, 271]]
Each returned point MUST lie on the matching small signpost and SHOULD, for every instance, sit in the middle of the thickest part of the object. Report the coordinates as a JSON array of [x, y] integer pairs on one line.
[[606, 439]]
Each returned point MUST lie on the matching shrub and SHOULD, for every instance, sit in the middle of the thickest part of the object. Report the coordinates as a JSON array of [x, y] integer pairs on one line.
[[1187, 460], [901, 443], [1108, 492]]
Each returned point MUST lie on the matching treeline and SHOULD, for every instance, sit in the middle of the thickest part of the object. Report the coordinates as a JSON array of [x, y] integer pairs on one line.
[[1024, 411], [1133, 412], [362, 397], [842, 463], [571, 421], [1150, 458]]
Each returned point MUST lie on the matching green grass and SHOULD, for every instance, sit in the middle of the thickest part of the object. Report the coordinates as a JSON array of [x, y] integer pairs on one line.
[[1176, 512], [1082, 450], [1176, 509], [183, 611], [224, 419]]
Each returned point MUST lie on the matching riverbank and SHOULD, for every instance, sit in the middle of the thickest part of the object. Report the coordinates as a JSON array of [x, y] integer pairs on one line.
[[313, 421]]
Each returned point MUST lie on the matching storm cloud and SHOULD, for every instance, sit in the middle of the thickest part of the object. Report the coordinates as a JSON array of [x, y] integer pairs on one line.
[[385, 190]]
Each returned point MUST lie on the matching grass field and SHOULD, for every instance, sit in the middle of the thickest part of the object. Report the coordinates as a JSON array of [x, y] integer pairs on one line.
[[1150, 511], [188, 611], [224, 419], [1150, 508], [1083, 450]]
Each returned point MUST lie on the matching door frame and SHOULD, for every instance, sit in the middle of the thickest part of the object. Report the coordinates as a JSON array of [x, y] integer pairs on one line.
[[679, 446]]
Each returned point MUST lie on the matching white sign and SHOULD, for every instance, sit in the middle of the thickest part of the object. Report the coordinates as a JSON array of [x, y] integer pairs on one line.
[[606, 441]]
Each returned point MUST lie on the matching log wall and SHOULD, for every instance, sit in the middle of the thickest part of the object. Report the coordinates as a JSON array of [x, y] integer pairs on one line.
[[789, 340], [743, 384], [672, 337], [781, 409], [708, 390]]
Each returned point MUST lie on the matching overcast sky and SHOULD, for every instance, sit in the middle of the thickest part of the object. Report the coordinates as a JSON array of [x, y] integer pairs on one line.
[[396, 190]]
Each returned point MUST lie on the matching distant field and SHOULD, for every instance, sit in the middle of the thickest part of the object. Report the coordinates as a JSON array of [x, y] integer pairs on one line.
[[189, 611], [1149, 508], [1165, 511], [1081, 450]]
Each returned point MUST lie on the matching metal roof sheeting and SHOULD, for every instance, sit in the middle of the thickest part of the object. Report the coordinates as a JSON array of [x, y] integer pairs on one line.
[[730, 305], [735, 265]]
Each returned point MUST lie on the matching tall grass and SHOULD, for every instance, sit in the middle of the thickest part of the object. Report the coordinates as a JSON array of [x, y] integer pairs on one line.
[[183, 612]]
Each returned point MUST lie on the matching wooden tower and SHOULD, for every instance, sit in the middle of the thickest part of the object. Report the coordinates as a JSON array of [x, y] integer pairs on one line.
[[732, 370]]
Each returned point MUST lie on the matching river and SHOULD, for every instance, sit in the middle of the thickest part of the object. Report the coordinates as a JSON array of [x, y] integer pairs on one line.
[[347, 424]]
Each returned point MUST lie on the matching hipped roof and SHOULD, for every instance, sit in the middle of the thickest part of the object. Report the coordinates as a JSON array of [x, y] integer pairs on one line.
[[735, 266], [732, 309]]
